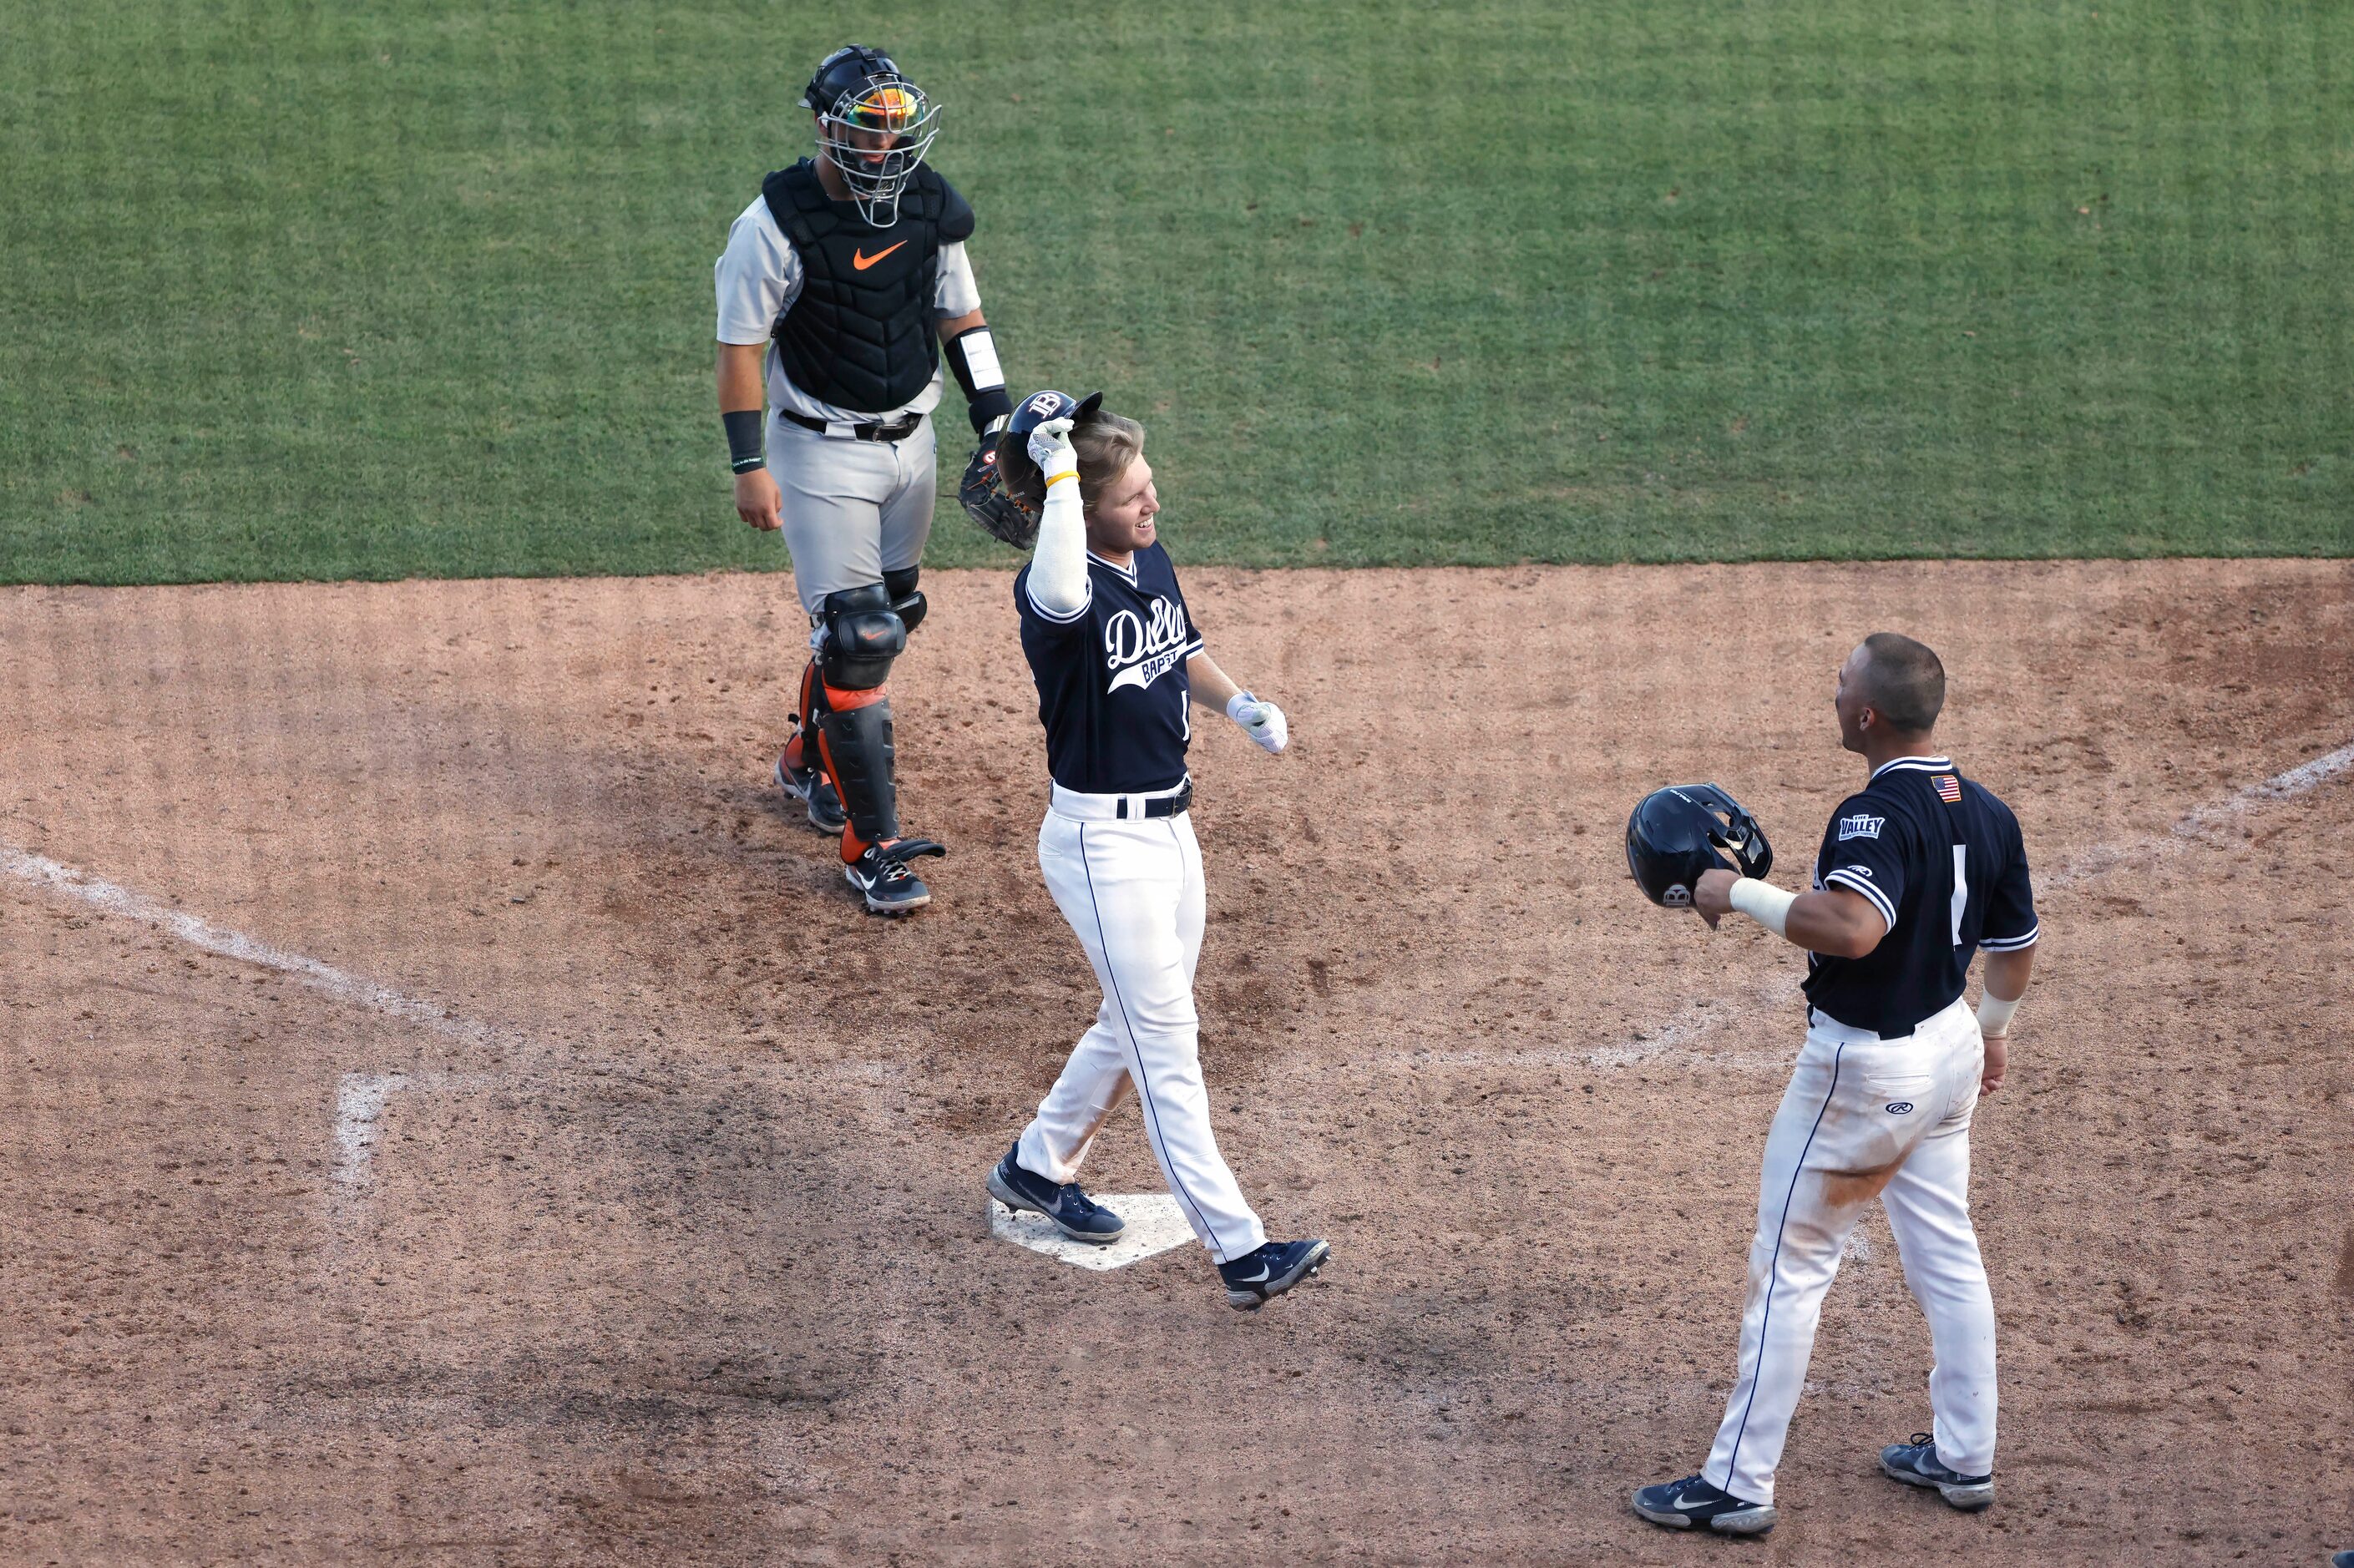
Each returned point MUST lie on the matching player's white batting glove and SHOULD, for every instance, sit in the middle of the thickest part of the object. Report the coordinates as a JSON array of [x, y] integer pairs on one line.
[[1050, 449], [1263, 722]]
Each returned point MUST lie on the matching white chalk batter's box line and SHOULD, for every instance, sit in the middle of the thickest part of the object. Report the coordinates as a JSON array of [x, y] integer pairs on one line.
[[361, 1098]]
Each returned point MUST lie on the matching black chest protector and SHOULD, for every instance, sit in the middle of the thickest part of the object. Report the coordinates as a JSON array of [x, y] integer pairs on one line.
[[863, 333]]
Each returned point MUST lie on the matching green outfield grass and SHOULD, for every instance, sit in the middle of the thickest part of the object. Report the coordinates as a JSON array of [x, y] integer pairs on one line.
[[312, 290]]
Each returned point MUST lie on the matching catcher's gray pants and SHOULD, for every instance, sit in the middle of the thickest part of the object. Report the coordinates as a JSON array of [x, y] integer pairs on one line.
[[852, 510]]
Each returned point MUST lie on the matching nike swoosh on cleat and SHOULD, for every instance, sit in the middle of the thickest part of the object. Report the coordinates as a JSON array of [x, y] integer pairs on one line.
[[861, 261], [1687, 1500], [1255, 1278]]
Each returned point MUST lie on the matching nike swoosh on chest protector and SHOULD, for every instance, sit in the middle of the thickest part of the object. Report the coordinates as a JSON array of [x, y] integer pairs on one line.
[[861, 261]]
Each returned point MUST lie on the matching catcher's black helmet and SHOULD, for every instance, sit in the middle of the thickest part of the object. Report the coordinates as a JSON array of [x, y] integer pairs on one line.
[[1674, 834], [985, 496]]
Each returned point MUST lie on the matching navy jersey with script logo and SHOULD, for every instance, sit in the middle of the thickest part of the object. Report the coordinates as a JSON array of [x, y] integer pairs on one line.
[[1943, 861], [1112, 688]]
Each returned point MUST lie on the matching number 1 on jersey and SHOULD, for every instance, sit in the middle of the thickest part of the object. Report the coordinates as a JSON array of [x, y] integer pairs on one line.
[[1961, 889]]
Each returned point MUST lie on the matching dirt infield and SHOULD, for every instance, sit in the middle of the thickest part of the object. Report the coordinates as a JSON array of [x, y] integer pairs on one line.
[[607, 1187]]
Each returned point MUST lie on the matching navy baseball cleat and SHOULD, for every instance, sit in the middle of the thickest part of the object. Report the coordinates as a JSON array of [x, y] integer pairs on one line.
[[1074, 1213], [1270, 1271], [815, 790], [1916, 1465], [1681, 1505], [2343, 1559], [881, 875]]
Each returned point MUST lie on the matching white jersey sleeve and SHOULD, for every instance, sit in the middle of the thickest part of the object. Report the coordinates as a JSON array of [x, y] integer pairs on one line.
[[1059, 589], [758, 277], [955, 293]]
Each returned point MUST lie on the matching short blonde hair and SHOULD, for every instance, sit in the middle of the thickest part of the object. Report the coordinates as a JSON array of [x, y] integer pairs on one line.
[[1107, 444]]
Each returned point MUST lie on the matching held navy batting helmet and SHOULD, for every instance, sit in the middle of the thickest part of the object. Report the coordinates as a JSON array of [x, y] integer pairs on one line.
[[1676, 833], [1040, 407], [986, 497]]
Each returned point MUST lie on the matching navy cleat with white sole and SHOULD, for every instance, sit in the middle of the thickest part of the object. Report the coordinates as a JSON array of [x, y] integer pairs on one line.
[[1258, 1275], [881, 876], [1916, 1465], [813, 790], [1074, 1213], [1690, 1502]]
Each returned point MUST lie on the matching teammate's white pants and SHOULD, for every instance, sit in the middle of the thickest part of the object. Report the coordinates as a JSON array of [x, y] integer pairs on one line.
[[1132, 892], [851, 510], [1865, 1116]]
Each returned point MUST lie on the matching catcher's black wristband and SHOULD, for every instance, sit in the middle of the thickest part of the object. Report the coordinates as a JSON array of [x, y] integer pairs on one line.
[[991, 409], [744, 435]]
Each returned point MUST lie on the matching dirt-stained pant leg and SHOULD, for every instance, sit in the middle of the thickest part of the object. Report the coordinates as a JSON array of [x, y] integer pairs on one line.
[[1133, 892], [1857, 1109], [1929, 1212]]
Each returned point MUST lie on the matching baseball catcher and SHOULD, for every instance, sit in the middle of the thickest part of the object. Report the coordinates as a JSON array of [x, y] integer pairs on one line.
[[844, 290]]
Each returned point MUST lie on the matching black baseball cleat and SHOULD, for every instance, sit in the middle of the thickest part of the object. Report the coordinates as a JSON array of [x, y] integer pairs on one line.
[[1268, 1271], [1916, 1465], [881, 875], [1681, 1505], [815, 790], [1074, 1213]]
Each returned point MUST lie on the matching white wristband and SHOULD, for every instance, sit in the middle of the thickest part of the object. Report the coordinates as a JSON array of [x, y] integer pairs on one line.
[[1765, 902], [1993, 1014], [1235, 702]]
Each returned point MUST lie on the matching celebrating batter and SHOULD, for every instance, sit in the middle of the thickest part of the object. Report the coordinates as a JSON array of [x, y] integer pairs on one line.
[[844, 280], [1116, 657], [1916, 872]]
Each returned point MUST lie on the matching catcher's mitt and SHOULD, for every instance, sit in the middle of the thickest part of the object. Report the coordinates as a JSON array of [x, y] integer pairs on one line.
[[987, 501]]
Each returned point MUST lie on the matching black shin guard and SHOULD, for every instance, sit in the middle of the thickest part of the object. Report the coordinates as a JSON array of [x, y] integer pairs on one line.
[[859, 756]]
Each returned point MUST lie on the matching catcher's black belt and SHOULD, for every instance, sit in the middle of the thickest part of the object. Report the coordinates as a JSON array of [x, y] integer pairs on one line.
[[898, 430]]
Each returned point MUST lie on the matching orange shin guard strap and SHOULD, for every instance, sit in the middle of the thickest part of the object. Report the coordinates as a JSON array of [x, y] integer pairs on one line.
[[842, 702]]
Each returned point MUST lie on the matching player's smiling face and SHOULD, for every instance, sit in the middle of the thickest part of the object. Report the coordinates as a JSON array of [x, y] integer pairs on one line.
[[1121, 522]]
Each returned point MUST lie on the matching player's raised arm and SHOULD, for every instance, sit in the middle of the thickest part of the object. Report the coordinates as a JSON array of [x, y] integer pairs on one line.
[[1058, 565]]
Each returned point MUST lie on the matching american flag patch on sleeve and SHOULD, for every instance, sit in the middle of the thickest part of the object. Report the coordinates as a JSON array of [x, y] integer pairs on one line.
[[1949, 789]]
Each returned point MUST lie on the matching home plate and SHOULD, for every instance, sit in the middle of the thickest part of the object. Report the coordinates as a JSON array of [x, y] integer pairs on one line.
[[1154, 1225]]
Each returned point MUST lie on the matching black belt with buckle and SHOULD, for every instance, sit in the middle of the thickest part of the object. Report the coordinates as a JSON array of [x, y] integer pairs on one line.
[[1164, 805], [898, 431]]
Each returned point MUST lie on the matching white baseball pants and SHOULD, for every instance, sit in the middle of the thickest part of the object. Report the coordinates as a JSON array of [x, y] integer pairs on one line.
[[1132, 892], [851, 510], [1865, 1116]]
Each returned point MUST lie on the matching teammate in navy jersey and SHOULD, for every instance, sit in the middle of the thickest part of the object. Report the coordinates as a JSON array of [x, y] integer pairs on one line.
[[1918, 871], [1117, 662]]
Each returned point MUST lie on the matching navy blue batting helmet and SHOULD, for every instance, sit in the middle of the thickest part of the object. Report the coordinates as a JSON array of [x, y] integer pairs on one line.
[[1674, 834], [1040, 407]]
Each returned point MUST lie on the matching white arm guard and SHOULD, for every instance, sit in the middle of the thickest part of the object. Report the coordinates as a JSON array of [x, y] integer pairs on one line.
[[1993, 1014], [1058, 564], [1764, 902]]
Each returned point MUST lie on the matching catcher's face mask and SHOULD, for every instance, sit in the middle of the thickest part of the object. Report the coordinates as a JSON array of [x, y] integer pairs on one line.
[[876, 130]]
